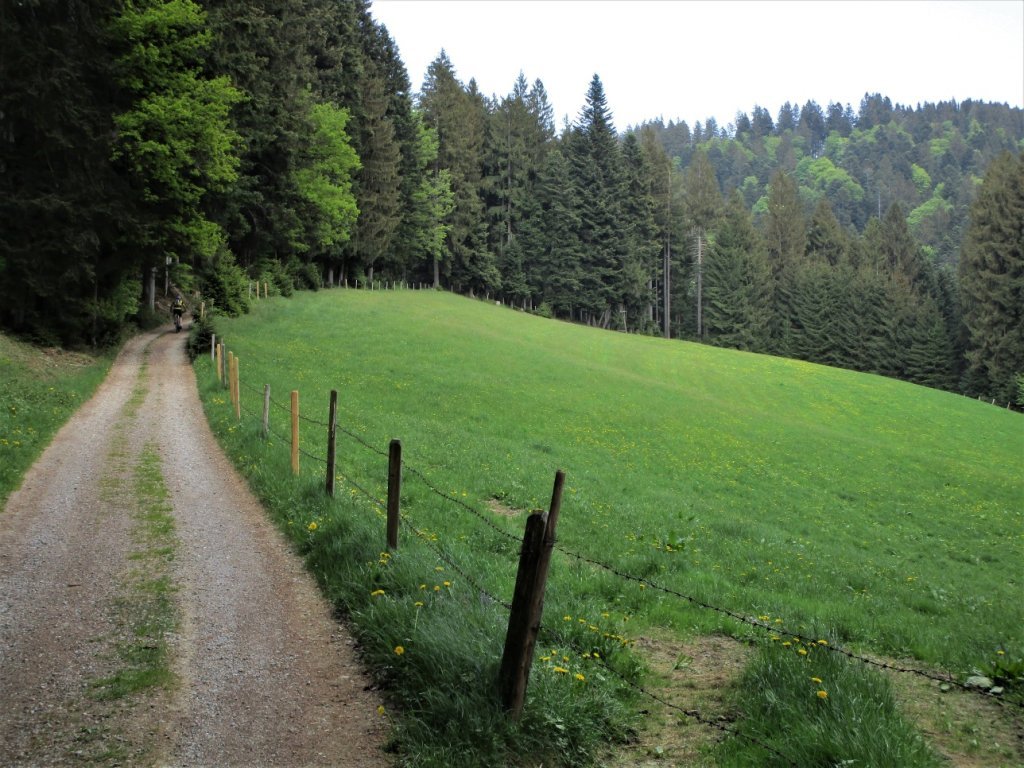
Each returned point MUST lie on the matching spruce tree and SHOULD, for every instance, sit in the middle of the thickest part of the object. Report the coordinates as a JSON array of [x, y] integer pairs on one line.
[[599, 178], [992, 281]]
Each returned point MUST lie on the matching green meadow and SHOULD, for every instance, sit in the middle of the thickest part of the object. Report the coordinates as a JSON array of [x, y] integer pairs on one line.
[[850, 509]]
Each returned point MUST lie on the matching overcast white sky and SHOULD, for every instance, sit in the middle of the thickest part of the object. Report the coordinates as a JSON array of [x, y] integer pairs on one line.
[[690, 60]]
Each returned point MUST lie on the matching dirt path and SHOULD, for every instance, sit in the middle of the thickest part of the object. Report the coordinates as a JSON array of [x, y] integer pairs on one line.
[[260, 672]]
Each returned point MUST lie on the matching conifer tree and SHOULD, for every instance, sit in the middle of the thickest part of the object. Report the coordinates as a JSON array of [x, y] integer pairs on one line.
[[737, 283], [598, 174], [992, 281]]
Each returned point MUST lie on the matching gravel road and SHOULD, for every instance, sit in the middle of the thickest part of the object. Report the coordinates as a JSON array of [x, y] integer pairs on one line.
[[263, 675]]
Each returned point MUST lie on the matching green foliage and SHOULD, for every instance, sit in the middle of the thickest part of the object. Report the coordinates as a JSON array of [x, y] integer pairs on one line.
[[200, 335], [225, 285], [992, 281], [173, 141], [326, 183]]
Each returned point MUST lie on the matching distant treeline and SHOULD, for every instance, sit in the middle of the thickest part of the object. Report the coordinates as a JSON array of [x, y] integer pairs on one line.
[[281, 140]]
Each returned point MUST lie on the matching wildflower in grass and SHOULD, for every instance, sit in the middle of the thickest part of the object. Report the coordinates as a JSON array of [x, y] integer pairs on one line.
[[438, 568], [380, 710], [1000, 653], [399, 650], [560, 670], [823, 642], [423, 586], [822, 694], [437, 587], [786, 644], [567, 618], [312, 526], [580, 677], [816, 680], [418, 604], [545, 658], [447, 583], [377, 593], [802, 651]]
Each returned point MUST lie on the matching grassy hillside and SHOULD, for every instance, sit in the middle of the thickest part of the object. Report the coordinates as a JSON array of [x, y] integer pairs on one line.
[[39, 390], [884, 516]]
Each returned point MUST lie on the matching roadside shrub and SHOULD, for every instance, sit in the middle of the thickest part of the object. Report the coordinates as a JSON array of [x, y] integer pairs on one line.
[[199, 335]]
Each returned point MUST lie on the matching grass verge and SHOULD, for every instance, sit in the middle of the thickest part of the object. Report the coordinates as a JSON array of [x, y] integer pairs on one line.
[[39, 390]]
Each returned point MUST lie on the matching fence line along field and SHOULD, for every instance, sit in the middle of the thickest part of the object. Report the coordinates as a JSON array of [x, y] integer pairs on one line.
[[843, 508]]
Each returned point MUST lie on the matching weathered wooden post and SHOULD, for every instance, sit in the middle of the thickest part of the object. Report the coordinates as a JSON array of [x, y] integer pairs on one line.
[[332, 427], [213, 348], [218, 364], [202, 310], [528, 603], [266, 290], [295, 431], [394, 491]]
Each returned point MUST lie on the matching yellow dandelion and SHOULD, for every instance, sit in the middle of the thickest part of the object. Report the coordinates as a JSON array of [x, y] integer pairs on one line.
[[437, 588], [823, 642], [567, 618], [447, 583], [377, 593], [786, 644], [380, 710], [560, 670], [1000, 653], [399, 650], [822, 694], [418, 604], [802, 651], [816, 680], [580, 677], [312, 526]]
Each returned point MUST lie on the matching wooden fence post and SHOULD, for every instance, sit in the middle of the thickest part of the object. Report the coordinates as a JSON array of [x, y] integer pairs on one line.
[[266, 411], [202, 310], [394, 491], [218, 363], [528, 603], [213, 347], [295, 431], [266, 290], [332, 426]]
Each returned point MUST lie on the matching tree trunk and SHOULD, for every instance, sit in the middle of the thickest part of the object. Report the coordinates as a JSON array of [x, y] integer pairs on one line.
[[437, 273]]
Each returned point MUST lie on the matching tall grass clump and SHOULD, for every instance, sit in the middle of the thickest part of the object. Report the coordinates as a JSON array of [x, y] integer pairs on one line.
[[818, 708], [39, 390]]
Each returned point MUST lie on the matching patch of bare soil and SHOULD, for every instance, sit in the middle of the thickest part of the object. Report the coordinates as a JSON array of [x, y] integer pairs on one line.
[[498, 507], [968, 729], [264, 675], [694, 676]]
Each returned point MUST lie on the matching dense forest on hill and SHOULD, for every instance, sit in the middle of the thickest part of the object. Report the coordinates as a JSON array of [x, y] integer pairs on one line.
[[282, 141]]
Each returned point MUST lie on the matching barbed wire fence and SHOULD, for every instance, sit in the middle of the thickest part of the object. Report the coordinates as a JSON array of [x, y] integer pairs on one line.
[[775, 631]]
